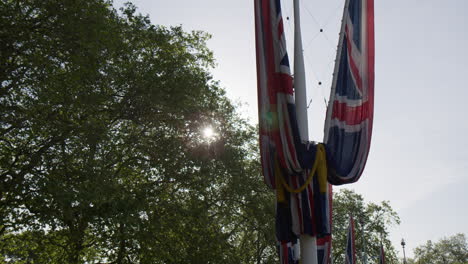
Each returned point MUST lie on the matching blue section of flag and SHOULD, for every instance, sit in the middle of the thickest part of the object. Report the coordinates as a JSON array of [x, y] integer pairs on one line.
[[278, 6], [342, 149], [285, 61], [320, 255], [355, 16], [345, 85]]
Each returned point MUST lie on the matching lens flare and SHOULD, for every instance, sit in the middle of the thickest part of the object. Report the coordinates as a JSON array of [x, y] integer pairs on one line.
[[208, 133]]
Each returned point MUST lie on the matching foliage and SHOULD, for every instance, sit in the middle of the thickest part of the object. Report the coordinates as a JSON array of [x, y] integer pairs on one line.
[[102, 159], [101, 155], [453, 249], [372, 222]]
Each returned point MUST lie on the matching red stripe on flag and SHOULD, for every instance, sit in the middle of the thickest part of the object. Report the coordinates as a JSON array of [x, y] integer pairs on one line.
[[283, 83], [370, 71], [350, 115], [289, 138], [285, 253], [370, 61], [268, 50]]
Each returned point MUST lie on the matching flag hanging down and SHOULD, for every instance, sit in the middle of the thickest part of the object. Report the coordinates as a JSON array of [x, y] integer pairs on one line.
[[348, 125], [324, 243], [350, 257], [277, 118], [288, 165], [287, 252], [324, 250]]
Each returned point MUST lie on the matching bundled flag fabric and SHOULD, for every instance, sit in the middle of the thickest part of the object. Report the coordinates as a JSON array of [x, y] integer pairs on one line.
[[324, 242], [295, 169], [382, 255], [350, 257], [348, 126], [287, 252], [300, 172]]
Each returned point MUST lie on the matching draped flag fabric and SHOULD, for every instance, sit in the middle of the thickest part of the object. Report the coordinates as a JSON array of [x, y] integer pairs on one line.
[[287, 252], [324, 249], [348, 126], [275, 93], [350, 257], [300, 172], [295, 169], [324, 243]]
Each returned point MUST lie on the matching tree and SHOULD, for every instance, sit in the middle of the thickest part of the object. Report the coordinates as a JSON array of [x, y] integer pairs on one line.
[[371, 226], [453, 249], [101, 154]]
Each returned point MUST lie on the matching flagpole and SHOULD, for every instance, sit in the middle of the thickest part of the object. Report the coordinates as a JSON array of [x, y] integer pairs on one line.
[[364, 256], [308, 243]]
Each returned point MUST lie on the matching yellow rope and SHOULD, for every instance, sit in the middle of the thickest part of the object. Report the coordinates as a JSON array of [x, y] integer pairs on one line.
[[320, 166]]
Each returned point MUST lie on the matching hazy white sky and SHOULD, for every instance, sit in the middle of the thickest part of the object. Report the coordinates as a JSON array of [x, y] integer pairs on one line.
[[419, 153]]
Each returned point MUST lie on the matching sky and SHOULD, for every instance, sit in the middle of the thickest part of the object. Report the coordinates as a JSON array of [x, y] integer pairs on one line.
[[419, 154]]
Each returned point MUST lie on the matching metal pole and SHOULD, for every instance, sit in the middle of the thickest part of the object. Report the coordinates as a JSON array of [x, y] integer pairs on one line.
[[403, 245], [308, 243], [299, 77]]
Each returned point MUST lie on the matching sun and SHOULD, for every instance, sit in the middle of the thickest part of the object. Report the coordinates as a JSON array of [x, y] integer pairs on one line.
[[208, 133]]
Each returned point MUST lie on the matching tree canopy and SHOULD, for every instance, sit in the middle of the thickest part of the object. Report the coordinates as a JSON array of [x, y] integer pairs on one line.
[[103, 158], [372, 222], [102, 155], [453, 250]]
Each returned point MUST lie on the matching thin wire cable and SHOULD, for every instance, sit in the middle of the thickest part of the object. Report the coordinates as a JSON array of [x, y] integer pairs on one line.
[[319, 26], [307, 60], [310, 13], [317, 78], [320, 88], [333, 13], [315, 74], [310, 41], [332, 46]]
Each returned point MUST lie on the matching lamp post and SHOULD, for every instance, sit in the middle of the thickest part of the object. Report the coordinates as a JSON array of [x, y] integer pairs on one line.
[[404, 255]]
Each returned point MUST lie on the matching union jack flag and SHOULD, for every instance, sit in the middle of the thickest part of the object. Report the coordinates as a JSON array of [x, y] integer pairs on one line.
[[350, 256], [283, 155], [278, 133], [348, 126], [287, 252], [324, 245]]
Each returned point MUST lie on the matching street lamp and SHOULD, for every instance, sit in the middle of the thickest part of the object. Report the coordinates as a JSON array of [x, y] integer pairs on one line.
[[403, 245]]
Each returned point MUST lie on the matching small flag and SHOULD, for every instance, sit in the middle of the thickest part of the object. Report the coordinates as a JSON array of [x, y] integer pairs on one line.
[[382, 255], [350, 257]]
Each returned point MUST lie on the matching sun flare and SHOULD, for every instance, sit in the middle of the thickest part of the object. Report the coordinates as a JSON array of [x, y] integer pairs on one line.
[[208, 133]]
